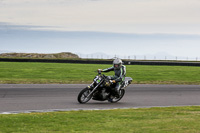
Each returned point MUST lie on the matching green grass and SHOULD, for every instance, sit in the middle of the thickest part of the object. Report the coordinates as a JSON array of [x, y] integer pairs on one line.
[[142, 120], [62, 73]]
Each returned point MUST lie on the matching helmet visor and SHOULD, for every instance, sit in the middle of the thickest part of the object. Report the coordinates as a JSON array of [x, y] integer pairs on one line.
[[116, 65]]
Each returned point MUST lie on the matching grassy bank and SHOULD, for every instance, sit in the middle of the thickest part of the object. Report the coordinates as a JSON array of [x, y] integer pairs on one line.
[[42, 73], [156, 120]]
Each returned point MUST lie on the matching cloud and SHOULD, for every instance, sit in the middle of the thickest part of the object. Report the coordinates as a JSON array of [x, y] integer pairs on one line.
[[25, 39], [4, 26], [127, 16], [40, 30]]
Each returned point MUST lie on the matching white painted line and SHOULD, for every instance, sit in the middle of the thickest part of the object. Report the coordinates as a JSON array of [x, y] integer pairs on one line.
[[84, 109]]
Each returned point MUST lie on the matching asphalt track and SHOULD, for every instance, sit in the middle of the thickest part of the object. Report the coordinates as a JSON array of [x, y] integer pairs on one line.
[[38, 98]]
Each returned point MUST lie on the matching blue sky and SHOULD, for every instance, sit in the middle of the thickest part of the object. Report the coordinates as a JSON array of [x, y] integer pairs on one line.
[[128, 27]]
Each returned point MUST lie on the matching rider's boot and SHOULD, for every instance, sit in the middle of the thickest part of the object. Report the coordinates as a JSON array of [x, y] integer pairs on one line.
[[117, 94], [110, 99], [117, 90]]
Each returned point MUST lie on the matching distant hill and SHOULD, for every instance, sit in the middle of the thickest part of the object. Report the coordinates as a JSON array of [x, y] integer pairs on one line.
[[38, 55]]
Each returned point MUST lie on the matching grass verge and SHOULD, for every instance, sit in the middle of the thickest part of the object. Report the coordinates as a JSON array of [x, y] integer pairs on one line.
[[156, 120], [66, 73]]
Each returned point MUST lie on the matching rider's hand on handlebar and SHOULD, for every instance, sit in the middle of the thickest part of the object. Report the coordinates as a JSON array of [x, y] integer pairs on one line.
[[99, 70], [112, 81]]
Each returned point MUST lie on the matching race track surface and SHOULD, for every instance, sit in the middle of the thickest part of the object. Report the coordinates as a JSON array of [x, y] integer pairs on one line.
[[21, 98]]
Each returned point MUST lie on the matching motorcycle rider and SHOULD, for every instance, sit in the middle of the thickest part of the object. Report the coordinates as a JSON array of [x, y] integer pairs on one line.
[[119, 77]]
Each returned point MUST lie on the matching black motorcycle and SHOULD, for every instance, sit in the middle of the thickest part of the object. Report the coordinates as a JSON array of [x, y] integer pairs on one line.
[[102, 89]]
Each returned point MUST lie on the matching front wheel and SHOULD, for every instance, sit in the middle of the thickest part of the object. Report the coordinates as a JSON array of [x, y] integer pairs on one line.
[[115, 99], [83, 96]]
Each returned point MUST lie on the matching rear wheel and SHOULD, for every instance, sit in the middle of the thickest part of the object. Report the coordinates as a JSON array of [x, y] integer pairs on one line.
[[116, 99], [83, 96]]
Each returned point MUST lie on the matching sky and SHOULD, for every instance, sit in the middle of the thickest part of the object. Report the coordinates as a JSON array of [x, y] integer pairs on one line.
[[113, 27]]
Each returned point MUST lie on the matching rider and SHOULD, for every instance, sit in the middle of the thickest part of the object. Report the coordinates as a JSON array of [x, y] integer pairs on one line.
[[120, 73]]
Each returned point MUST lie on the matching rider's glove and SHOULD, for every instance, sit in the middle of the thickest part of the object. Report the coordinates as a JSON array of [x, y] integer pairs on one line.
[[112, 81], [99, 70]]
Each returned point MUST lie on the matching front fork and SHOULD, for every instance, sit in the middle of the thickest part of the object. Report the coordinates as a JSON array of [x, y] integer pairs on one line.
[[91, 86], [94, 88]]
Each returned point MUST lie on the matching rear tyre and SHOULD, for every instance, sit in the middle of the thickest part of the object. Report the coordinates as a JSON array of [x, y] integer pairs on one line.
[[115, 99], [82, 97]]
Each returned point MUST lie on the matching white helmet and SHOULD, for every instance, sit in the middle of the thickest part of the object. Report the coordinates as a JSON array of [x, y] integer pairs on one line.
[[117, 63]]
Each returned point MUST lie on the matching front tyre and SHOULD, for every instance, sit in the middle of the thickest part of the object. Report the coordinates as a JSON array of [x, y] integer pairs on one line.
[[115, 99], [82, 97]]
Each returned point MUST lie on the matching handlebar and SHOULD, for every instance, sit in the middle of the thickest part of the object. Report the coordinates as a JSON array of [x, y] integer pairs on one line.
[[99, 72]]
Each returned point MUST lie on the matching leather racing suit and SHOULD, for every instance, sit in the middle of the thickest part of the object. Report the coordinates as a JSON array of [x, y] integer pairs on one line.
[[119, 77]]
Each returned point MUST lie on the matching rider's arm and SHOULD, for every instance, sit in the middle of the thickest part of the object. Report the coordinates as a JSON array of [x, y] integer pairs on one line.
[[108, 69]]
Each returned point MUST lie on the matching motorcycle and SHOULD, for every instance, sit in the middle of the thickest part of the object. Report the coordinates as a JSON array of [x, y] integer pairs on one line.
[[102, 89]]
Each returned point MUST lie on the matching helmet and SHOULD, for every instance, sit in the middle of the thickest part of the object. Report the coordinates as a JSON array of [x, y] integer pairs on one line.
[[117, 63]]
